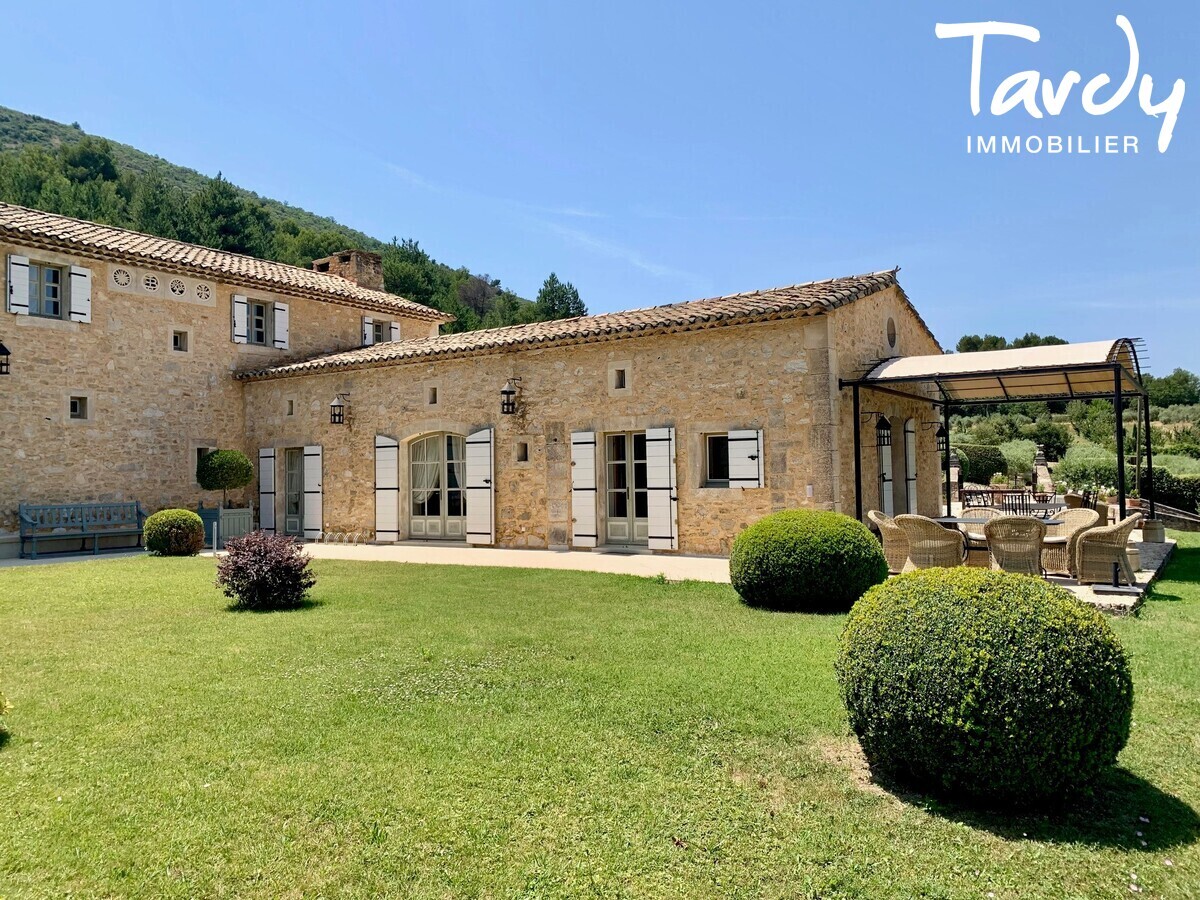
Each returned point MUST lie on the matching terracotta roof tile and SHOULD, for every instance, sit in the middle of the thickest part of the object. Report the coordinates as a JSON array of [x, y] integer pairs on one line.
[[32, 227], [813, 298]]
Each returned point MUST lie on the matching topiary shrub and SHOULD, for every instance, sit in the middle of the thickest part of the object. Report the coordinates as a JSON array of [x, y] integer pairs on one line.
[[265, 571], [805, 561], [224, 471], [174, 532], [984, 685]]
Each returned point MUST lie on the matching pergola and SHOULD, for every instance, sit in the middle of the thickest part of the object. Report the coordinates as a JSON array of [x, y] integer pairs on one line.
[[1098, 369]]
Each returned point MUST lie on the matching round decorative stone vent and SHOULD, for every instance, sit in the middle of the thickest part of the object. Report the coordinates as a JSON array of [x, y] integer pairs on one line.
[[178, 288], [203, 291], [150, 282], [122, 278]]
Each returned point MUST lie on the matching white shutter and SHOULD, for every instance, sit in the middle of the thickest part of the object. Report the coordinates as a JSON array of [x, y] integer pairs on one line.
[[387, 488], [746, 459], [583, 489], [266, 488], [281, 327], [910, 465], [886, 501], [313, 500], [662, 501], [80, 296], [481, 525], [395, 331], [241, 309], [18, 285], [368, 331]]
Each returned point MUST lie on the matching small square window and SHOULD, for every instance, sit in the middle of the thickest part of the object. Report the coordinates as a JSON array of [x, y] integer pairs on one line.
[[716, 460], [433, 396], [259, 324], [522, 451], [79, 407], [291, 407], [619, 379], [380, 332], [179, 341]]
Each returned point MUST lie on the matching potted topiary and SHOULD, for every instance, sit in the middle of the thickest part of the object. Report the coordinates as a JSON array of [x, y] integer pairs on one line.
[[225, 471]]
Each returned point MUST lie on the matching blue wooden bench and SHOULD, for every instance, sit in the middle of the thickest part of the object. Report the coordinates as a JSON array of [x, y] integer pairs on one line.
[[56, 522]]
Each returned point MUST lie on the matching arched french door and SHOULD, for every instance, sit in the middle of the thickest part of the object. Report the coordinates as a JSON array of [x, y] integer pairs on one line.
[[910, 466], [437, 487]]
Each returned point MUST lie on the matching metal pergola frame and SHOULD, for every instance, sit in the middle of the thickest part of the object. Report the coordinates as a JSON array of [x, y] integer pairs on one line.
[[1125, 383]]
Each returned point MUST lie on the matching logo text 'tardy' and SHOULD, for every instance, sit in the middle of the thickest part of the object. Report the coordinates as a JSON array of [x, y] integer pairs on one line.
[[1021, 88]]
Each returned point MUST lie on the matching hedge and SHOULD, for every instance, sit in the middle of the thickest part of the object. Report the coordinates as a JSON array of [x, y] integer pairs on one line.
[[980, 462]]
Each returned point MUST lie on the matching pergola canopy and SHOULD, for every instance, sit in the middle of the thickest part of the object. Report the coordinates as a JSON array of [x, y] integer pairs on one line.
[[1056, 372]]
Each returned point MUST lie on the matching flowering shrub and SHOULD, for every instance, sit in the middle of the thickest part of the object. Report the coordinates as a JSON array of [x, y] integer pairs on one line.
[[265, 571]]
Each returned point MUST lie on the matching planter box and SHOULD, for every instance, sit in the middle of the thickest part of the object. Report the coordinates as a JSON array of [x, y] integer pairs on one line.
[[226, 523]]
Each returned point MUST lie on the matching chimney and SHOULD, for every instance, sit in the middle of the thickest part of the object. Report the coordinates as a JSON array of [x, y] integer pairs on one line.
[[360, 266]]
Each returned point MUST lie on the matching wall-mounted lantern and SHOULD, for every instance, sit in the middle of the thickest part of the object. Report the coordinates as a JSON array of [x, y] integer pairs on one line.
[[337, 410], [508, 397], [5, 368], [943, 439], [883, 432]]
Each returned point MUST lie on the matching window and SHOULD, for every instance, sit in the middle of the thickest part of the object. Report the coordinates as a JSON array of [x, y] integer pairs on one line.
[[619, 379], [716, 460], [522, 451], [258, 324], [46, 291], [380, 332], [79, 407], [891, 333], [179, 341], [433, 396], [291, 407]]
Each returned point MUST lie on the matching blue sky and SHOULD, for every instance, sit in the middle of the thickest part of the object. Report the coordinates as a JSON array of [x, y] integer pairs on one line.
[[654, 152]]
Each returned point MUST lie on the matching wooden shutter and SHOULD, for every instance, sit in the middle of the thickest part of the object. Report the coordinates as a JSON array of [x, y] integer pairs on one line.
[[80, 296], [583, 489], [266, 489], [240, 313], [910, 466], [886, 500], [368, 331], [662, 501], [481, 525], [313, 499], [746, 458], [281, 327], [387, 488], [18, 285], [395, 331]]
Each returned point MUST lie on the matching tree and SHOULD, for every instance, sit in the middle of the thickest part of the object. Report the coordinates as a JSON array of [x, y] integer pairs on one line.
[[227, 219], [1180, 388], [559, 300], [88, 159], [156, 208], [1033, 339], [224, 471], [973, 343]]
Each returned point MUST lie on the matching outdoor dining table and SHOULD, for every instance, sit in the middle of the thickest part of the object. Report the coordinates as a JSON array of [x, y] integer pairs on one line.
[[968, 520]]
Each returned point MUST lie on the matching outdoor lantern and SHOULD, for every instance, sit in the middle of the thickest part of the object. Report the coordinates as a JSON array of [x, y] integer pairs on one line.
[[4, 365], [337, 411], [508, 398], [943, 439], [883, 432]]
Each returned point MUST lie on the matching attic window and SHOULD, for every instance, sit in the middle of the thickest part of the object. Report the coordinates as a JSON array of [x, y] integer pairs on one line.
[[619, 379], [432, 396], [345, 258], [323, 267]]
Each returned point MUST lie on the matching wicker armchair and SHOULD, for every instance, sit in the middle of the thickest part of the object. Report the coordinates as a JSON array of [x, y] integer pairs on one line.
[[1015, 543], [1058, 550], [930, 545], [977, 548], [1098, 549], [895, 544]]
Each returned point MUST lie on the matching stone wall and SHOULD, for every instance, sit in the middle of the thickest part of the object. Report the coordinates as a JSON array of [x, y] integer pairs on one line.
[[780, 377], [150, 407]]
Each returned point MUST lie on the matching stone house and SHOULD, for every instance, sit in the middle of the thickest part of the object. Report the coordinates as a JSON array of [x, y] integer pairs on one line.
[[668, 428]]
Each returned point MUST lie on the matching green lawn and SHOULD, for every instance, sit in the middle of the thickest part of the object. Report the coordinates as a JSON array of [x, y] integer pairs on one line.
[[429, 731]]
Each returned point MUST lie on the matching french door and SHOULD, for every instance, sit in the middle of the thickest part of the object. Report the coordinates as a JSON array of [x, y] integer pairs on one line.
[[626, 500], [293, 484], [437, 494]]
